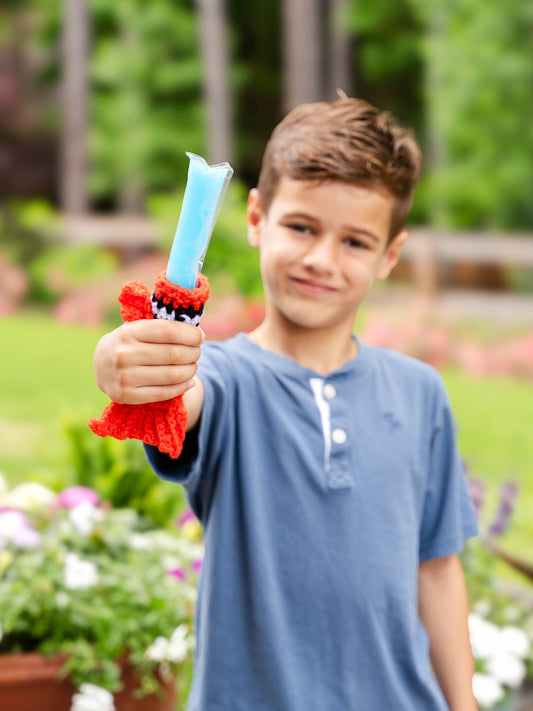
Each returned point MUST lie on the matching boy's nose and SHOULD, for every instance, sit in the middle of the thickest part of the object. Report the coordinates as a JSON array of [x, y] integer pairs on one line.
[[322, 255]]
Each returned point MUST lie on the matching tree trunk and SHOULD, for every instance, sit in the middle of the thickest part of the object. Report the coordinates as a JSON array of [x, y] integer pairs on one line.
[[75, 48], [132, 189], [436, 158], [214, 52], [339, 48], [302, 52]]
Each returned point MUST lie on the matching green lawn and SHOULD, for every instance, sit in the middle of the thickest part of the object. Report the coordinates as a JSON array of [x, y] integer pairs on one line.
[[494, 418], [46, 375]]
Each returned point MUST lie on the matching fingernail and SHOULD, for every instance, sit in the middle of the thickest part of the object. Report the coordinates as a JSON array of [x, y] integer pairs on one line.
[[203, 333], [191, 384]]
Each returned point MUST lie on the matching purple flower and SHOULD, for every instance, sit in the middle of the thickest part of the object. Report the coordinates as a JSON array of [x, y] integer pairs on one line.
[[507, 497], [477, 489], [508, 492], [177, 573], [75, 495]]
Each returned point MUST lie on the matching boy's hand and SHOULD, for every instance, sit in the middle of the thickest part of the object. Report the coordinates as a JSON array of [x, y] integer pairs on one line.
[[147, 361]]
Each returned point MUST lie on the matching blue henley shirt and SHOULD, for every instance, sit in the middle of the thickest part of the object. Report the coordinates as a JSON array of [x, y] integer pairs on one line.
[[319, 497]]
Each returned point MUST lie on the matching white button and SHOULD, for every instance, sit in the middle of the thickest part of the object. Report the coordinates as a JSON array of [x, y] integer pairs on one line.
[[329, 391], [339, 436]]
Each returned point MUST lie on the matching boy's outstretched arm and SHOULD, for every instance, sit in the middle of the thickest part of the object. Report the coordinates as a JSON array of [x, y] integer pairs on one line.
[[151, 361], [443, 608]]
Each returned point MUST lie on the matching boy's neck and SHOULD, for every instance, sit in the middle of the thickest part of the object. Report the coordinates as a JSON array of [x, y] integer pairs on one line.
[[313, 349]]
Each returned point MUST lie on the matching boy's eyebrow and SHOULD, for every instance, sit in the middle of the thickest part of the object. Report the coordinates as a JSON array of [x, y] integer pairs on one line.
[[361, 231], [348, 228], [299, 216]]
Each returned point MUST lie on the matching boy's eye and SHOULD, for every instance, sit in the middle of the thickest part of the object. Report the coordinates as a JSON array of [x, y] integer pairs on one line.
[[356, 243], [299, 227]]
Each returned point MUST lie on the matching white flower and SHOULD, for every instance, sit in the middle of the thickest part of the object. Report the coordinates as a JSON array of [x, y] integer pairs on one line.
[[141, 542], [62, 599], [507, 669], [487, 690], [174, 649], [484, 637], [29, 496], [171, 562], [511, 613], [483, 608], [79, 574], [178, 646], [92, 698], [84, 517], [158, 651], [515, 641]]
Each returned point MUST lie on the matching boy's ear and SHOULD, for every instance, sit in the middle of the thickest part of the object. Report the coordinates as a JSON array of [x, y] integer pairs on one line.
[[391, 257], [254, 217]]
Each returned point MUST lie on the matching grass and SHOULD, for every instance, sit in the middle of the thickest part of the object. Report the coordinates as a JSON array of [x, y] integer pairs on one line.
[[494, 419], [46, 376]]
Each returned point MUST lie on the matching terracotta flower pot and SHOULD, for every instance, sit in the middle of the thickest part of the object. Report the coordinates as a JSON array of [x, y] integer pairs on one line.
[[29, 681]]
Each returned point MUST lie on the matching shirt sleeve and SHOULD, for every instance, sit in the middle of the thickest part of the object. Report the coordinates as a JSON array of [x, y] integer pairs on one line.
[[196, 468], [449, 518]]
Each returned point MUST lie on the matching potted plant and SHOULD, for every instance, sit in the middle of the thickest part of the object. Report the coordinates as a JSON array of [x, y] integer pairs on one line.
[[97, 594]]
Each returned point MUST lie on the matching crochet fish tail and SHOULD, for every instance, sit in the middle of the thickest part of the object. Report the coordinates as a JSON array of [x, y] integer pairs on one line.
[[161, 424]]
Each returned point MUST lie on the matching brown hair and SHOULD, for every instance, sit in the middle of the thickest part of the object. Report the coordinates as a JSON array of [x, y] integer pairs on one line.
[[347, 140]]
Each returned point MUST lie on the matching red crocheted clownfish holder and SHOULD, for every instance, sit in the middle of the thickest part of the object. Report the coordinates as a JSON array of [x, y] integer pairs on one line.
[[161, 424]]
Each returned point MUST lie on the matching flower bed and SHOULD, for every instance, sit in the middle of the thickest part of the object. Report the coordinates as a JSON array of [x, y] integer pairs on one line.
[[96, 584]]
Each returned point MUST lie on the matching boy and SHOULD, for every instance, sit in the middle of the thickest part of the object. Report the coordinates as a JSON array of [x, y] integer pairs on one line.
[[325, 472]]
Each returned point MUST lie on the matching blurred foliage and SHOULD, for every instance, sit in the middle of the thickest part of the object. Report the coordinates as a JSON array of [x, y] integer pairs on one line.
[[61, 269], [389, 58], [27, 228], [255, 47], [482, 107], [30, 236], [146, 107], [461, 73], [458, 71], [120, 473]]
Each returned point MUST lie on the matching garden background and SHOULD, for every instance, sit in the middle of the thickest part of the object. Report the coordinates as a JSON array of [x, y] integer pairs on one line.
[[99, 102]]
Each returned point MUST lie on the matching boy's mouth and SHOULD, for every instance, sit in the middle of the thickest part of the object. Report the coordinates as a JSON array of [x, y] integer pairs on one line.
[[312, 287]]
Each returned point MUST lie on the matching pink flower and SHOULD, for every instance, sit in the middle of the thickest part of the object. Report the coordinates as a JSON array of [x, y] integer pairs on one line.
[[186, 517], [196, 565], [75, 495], [15, 527], [177, 573]]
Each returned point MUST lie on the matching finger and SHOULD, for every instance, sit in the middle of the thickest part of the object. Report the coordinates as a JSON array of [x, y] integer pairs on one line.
[[160, 376], [156, 354], [155, 393], [163, 331]]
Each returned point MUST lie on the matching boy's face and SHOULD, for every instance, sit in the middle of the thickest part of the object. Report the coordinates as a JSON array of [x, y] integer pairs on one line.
[[322, 246]]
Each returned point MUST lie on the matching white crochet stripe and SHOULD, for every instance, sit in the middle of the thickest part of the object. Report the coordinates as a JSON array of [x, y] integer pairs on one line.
[[163, 313]]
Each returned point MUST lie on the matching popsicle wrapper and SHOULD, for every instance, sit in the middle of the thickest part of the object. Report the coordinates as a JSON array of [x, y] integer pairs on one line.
[[161, 424]]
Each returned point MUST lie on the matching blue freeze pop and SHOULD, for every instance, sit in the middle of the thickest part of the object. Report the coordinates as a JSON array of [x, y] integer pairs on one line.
[[204, 193]]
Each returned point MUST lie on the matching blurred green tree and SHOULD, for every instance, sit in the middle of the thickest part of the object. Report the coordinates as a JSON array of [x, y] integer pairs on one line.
[[461, 73], [479, 99], [146, 107]]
